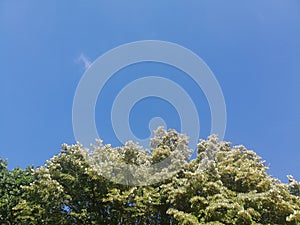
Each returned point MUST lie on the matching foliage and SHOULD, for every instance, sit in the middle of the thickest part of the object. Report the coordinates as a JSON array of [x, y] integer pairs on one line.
[[223, 185], [11, 190]]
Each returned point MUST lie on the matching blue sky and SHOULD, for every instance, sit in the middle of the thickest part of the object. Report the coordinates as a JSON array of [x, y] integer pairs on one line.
[[252, 47]]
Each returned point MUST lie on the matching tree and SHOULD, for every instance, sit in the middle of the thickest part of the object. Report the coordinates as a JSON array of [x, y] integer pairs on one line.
[[227, 185], [11, 190], [223, 185]]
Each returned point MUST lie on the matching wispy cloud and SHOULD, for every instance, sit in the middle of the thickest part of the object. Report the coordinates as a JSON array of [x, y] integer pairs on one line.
[[82, 58]]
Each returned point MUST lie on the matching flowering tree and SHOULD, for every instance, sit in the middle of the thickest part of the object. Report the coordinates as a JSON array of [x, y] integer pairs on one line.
[[223, 185]]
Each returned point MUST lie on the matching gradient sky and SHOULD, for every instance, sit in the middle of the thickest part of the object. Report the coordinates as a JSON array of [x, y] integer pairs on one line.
[[252, 47]]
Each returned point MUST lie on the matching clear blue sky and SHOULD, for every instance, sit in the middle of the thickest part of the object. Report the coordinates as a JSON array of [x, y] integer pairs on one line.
[[253, 48]]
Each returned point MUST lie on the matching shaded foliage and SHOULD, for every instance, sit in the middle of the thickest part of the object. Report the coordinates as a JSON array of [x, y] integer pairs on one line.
[[11, 190]]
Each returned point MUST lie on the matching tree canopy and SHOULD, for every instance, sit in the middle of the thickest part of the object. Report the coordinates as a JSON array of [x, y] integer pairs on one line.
[[224, 184]]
